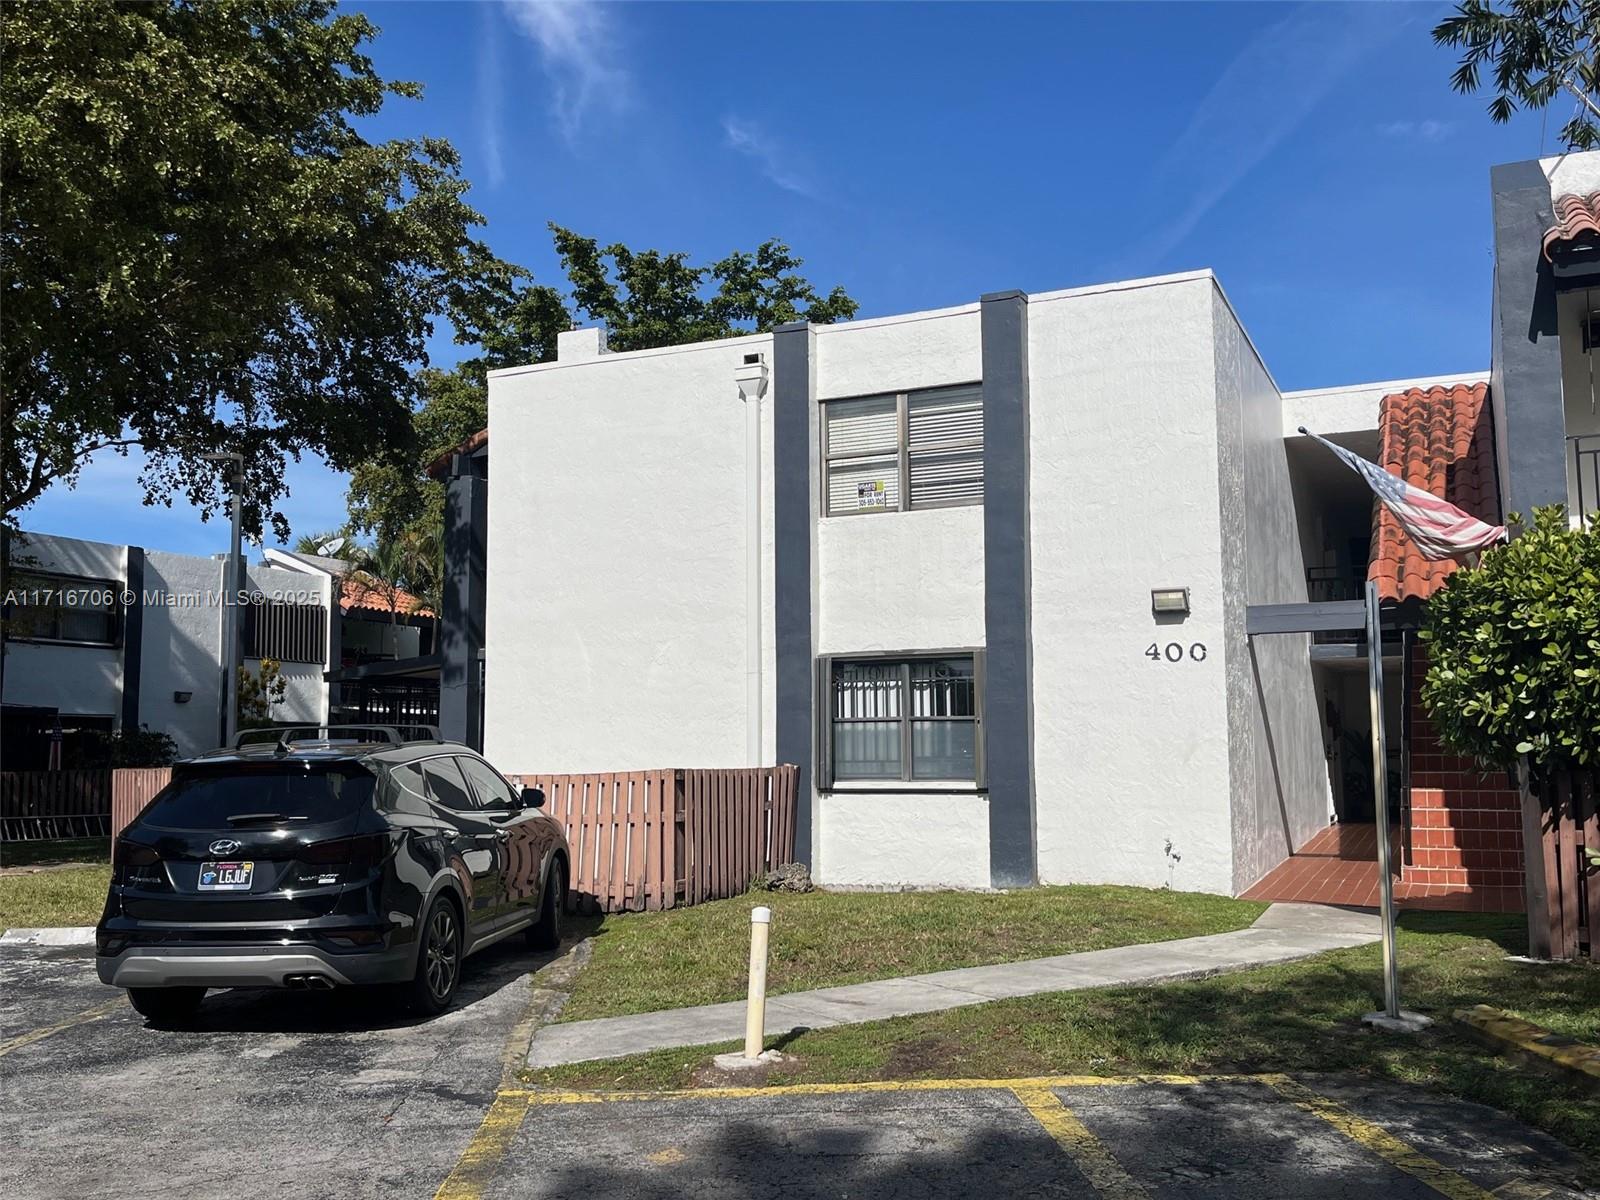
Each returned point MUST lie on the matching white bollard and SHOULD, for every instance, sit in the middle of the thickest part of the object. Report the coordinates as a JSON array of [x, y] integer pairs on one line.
[[755, 1012]]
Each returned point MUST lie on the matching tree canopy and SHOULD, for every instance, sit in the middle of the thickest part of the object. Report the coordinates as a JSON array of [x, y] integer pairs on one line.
[[645, 299], [1514, 649], [202, 252], [1538, 51]]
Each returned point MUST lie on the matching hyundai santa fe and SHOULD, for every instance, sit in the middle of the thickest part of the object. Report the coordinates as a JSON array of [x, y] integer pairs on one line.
[[328, 857]]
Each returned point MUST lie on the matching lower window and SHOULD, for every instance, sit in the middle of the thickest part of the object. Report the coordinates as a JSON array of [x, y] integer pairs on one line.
[[911, 718]]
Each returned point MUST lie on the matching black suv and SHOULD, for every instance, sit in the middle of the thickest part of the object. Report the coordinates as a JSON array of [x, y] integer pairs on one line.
[[326, 857]]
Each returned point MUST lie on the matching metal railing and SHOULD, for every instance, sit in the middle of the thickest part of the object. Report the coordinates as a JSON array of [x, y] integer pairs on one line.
[[1586, 470]]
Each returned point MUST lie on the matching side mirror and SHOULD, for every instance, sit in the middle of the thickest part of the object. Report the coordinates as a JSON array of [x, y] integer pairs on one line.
[[532, 797]]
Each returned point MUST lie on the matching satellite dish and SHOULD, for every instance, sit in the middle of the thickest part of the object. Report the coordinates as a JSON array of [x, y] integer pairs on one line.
[[331, 547]]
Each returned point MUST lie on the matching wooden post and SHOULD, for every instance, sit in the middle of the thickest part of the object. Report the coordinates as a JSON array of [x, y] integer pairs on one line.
[[1533, 864]]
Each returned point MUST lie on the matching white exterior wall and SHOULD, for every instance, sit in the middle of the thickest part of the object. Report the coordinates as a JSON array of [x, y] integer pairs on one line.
[[900, 581], [1280, 790], [81, 680], [182, 651], [1131, 755], [616, 588]]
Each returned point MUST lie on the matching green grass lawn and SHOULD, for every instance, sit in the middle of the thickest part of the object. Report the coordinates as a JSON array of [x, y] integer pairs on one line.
[[71, 896], [648, 961], [51, 853], [1296, 1017]]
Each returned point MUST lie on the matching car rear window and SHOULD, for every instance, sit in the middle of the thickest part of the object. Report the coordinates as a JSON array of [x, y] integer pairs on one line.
[[206, 800]]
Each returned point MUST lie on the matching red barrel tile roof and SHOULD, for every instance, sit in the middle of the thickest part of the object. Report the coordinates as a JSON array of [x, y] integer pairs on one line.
[[1577, 220], [356, 591], [1440, 439]]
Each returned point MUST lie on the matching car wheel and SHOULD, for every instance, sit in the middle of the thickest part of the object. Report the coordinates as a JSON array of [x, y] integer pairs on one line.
[[438, 960], [545, 933], [166, 1005]]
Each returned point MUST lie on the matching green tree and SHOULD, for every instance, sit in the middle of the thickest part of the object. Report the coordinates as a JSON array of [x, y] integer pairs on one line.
[[260, 693], [1514, 649], [655, 299], [658, 299], [202, 252], [1539, 50]]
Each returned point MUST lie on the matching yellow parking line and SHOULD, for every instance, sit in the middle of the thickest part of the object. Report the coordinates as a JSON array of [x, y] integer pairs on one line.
[[1378, 1140], [479, 1162], [1104, 1173], [83, 1018], [843, 1089]]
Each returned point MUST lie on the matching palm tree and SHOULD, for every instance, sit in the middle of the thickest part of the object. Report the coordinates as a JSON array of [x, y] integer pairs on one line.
[[382, 569]]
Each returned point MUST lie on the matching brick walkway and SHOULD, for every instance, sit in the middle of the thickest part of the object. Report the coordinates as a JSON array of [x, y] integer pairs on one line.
[[1340, 866]]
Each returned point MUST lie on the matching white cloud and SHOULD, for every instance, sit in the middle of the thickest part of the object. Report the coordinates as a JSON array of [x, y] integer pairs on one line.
[[1427, 131], [491, 95], [1262, 97], [778, 165], [580, 47]]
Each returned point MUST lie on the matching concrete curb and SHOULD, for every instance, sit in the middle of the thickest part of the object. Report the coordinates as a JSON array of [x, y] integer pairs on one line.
[[68, 935], [1513, 1032]]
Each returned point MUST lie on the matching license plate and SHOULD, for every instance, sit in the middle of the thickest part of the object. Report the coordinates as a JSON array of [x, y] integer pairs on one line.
[[226, 876]]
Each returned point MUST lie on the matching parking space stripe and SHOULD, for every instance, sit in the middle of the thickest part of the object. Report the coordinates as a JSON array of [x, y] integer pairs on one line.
[[83, 1018], [536, 1096], [481, 1159], [1378, 1140], [1089, 1153]]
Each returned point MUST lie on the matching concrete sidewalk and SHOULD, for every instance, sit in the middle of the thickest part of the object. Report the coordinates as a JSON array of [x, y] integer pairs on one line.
[[1283, 933]]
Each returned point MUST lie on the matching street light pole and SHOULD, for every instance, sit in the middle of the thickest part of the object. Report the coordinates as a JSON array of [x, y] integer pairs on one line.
[[232, 589]]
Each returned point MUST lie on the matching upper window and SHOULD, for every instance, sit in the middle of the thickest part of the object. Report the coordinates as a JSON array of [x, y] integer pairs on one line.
[[63, 608], [903, 719], [907, 450]]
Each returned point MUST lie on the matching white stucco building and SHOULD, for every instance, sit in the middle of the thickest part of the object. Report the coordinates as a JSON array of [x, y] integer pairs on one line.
[[922, 557], [120, 637]]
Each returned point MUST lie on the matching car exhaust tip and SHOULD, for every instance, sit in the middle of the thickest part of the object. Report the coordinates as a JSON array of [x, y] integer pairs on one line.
[[311, 982]]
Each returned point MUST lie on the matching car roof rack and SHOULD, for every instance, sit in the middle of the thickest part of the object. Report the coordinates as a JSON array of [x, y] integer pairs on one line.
[[328, 734]]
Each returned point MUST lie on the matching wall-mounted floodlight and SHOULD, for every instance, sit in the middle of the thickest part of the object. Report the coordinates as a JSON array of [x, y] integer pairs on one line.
[[1169, 600]]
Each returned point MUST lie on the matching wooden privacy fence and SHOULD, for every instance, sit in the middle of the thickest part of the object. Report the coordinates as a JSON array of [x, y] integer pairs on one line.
[[131, 789], [1570, 824], [54, 804], [647, 840]]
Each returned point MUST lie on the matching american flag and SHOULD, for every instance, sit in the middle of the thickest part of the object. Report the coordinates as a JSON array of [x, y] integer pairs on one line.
[[1439, 528]]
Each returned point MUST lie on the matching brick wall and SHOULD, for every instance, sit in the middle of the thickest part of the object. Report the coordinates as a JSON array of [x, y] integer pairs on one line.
[[1465, 825]]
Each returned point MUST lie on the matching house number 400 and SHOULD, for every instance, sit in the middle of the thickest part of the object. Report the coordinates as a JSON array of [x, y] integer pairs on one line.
[[1173, 652]]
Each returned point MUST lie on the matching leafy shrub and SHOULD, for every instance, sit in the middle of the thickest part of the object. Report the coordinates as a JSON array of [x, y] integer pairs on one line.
[[129, 748], [1514, 650]]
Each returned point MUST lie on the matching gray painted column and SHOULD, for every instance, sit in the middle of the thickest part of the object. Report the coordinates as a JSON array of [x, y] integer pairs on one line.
[[1525, 382], [1007, 592], [796, 496], [132, 637], [466, 520]]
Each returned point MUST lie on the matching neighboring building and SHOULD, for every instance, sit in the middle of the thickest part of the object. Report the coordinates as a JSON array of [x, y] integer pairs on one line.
[[440, 680], [133, 638], [383, 662]]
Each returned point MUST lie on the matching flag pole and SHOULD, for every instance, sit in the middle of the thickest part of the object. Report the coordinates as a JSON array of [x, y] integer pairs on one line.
[[1380, 787]]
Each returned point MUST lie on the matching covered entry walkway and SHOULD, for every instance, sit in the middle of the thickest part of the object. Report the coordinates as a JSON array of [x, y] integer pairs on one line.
[[1340, 866]]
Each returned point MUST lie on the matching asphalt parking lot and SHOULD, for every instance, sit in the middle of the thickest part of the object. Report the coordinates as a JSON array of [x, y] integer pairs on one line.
[[308, 1095]]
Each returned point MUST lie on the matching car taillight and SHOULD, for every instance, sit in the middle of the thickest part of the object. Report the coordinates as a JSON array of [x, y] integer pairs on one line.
[[342, 858], [139, 865]]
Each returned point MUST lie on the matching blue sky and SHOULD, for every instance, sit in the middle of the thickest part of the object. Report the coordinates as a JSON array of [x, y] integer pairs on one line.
[[922, 154]]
